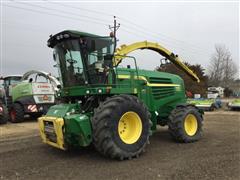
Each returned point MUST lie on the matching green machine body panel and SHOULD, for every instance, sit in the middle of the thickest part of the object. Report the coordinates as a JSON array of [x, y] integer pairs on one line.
[[161, 92], [235, 104], [60, 110], [203, 104], [78, 130], [160, 100], [21, 90], [207, 102]]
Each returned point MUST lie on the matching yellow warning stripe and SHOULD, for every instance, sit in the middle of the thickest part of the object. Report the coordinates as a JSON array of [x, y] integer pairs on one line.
[[57, 125]]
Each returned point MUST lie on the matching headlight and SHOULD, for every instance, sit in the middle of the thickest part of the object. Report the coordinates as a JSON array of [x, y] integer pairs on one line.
[[99, 90], [66, 35]]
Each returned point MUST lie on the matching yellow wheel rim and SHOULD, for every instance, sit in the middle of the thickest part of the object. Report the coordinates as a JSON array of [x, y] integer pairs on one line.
[[190, 124], [130, 127]]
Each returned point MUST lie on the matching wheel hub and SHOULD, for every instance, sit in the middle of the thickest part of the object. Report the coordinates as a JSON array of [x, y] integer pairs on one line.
[[130, 127], [190, 125], [13, 114]]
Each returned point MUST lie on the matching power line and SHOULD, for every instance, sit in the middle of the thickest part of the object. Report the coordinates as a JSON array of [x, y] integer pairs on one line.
[[158, 34], [134, 24], [184, 54], [138, 30], [87, 10], [61, 11], [119, 18], [165, 42], [125, 29], [53, 14], [198, 50]]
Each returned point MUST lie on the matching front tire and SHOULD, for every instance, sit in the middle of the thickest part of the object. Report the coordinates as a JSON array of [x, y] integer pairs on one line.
[[185, 124], [121, 127], [17, 113]]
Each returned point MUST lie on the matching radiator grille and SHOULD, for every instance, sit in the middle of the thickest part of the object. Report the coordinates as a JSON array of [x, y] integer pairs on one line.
[[161, 92], [160, 80]]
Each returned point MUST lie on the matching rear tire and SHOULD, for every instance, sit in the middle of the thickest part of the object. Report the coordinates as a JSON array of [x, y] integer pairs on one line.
[[17, 113], [185, 124], [4, 117], [121, 127]]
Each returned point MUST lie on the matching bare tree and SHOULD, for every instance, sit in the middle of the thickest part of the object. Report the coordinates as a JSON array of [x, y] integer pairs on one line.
[[229, 71], [222, 69]]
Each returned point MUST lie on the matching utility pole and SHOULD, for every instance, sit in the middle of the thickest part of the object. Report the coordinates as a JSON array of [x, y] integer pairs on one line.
[[114, 29]]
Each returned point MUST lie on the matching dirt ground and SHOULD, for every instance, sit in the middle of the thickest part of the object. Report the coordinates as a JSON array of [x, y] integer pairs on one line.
[[215, 156]]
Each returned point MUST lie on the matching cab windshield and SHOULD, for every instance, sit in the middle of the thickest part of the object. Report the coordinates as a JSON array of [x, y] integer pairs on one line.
[[83, 60], [12, 80]]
